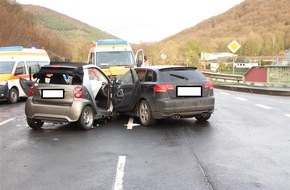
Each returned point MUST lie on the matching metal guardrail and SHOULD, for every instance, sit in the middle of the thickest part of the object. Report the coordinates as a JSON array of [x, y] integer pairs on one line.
[[224, 77]]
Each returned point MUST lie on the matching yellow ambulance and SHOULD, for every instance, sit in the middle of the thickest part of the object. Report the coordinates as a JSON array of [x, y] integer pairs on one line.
[[114, 56], [16, 62]]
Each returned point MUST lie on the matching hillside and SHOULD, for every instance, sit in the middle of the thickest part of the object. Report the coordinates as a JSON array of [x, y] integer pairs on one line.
[[262, 27], [18, 29], [76, 33]]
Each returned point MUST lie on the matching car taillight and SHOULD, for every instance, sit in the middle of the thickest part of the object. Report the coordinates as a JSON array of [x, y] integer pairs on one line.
[[30, 90], [79, 92], [163, 87], [208, 85]]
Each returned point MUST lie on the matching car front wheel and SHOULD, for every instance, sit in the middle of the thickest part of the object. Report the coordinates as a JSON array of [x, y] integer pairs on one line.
[[34, 123], [13, 96], [203, 117], [86, 119], [145, 114]]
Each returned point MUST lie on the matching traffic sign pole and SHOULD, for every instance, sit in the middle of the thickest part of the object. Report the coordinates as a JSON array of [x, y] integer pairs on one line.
[[234, 46]]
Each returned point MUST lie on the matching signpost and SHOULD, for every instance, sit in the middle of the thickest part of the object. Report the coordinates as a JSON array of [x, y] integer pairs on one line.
[[163, 57], [234, 46]]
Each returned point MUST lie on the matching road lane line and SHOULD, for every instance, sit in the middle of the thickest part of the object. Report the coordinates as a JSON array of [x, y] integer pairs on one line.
[[287, 115], [242, 99], [225, 93], [130, 124], [120, 173], [8, 120], [263, 106]]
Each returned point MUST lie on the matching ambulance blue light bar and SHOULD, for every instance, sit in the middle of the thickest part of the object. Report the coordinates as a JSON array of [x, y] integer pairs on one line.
[[11, 48], [112, 42]]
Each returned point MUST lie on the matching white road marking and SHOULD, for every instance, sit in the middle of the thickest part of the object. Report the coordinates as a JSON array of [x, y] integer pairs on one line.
[[225, 93], [263, 106], [242, 99], [287, 115], [130, 124], [120, 173], [8, 120]]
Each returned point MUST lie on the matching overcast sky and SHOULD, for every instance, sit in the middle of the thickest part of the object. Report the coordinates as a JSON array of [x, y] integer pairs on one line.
[[139, 21]]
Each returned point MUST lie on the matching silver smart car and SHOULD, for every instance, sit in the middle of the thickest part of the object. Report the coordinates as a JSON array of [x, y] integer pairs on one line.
[[67, 92]]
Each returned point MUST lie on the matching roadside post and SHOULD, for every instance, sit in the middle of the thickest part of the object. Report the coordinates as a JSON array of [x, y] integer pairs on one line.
[[234, 46]]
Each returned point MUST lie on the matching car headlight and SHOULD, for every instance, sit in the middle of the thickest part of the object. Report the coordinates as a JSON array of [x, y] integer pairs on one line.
[[3, 82]]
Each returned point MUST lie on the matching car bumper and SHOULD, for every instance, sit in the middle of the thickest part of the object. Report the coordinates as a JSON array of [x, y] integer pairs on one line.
[[183, 107], [54, 113], [3, 91]]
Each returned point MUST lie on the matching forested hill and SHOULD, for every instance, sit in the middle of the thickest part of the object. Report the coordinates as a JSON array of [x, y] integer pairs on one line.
[[79, 35], [63, 37]]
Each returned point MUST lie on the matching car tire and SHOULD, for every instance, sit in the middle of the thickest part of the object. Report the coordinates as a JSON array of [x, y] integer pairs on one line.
[[203, 116], [145, 114], [86, 119], [13, 96], [34, 123]]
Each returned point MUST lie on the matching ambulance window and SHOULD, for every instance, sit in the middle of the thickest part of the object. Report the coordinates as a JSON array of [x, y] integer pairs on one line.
[[6, 67], [20, 69], [33, 65]]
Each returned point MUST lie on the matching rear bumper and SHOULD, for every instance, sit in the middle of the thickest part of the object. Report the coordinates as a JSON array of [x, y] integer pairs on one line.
[[184, 107], [54, 113]]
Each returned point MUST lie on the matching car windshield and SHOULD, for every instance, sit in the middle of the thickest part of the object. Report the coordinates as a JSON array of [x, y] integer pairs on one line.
[[116, 58], [6, 67]]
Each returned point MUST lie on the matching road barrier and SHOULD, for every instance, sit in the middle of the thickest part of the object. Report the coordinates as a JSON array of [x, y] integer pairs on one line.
[[224, 77]]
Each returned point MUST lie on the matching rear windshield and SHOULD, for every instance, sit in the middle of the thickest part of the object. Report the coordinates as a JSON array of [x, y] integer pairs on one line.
[[181, 74], [59, 75], [59, 78]]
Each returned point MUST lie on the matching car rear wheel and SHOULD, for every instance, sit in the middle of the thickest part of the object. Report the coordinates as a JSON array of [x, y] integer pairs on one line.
[[13, 96], [86, 119], [34, 123], [203, 116], [145, 114]]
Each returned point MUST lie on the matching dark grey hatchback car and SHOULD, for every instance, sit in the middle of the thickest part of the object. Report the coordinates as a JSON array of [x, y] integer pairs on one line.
[[159, 92]]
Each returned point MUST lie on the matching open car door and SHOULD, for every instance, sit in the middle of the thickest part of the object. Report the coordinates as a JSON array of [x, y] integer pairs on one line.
[[126, 91], [27, 86], [139, 57]]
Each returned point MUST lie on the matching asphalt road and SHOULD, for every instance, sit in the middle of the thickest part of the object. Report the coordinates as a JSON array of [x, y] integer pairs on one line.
[[244, 145]]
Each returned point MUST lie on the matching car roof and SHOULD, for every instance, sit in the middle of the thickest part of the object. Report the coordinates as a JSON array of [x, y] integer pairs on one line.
[[164, 67], [73, 68], [72, 64]]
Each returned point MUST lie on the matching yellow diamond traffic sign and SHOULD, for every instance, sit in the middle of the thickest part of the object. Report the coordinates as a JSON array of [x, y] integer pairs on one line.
[[234, 46]]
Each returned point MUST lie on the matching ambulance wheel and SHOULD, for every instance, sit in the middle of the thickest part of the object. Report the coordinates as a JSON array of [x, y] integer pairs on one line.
[[13, 96]]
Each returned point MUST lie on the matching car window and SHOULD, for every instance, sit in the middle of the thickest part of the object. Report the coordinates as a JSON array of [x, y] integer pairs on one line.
[[181, 74], [126, 78], [96, 75], [55, 78], [141, 74], [20, 68], [33, 65], [150, 76]]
